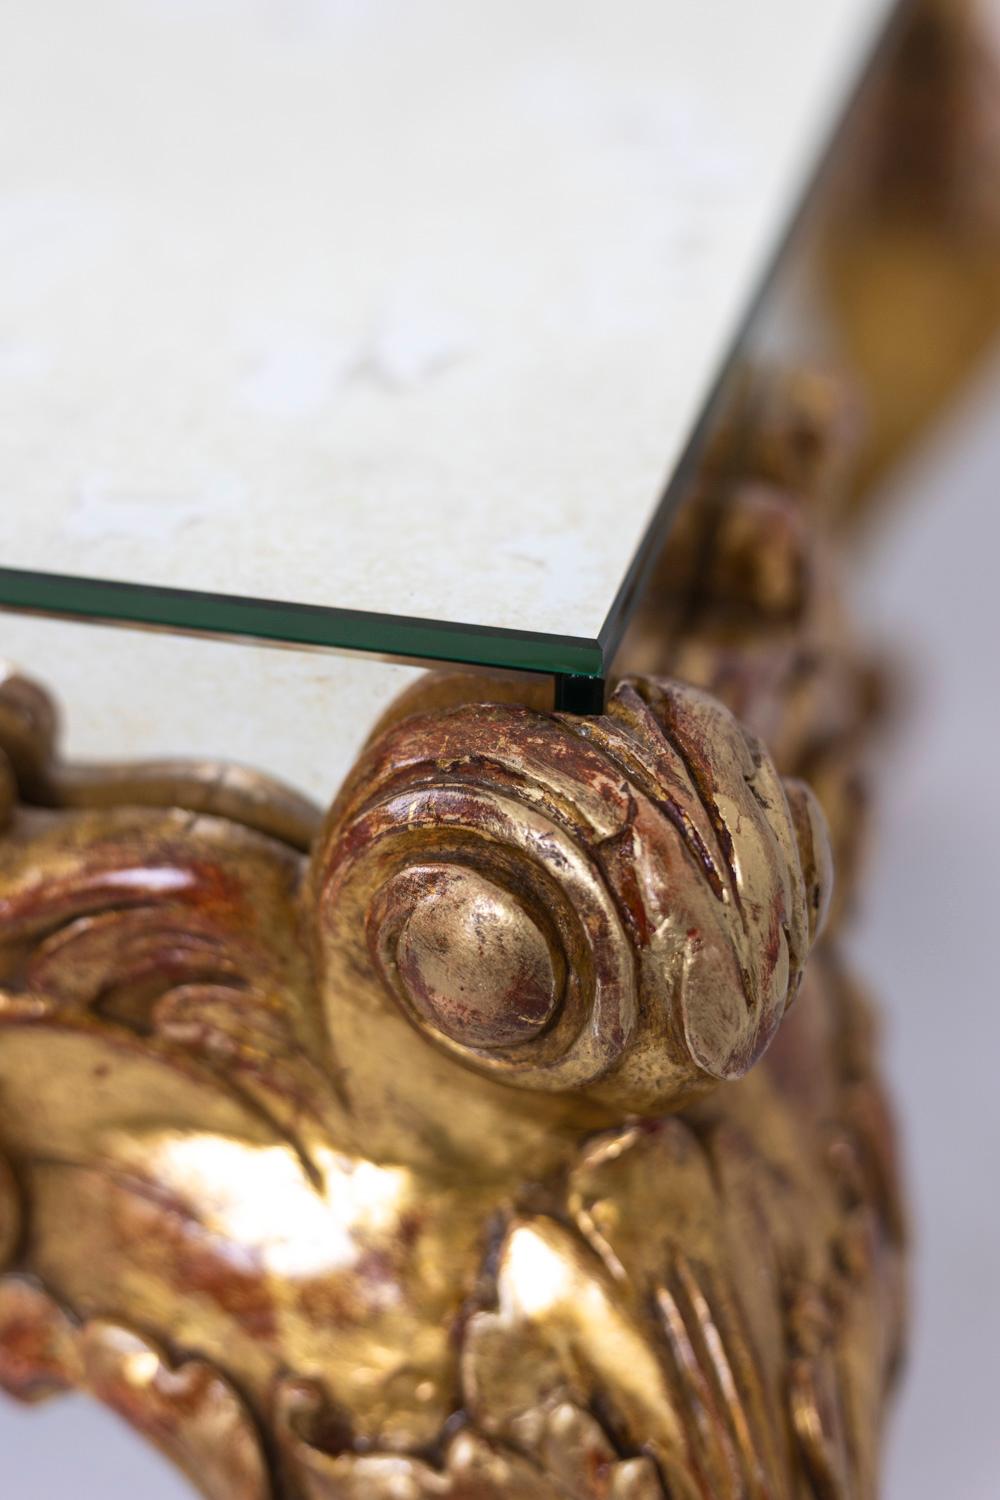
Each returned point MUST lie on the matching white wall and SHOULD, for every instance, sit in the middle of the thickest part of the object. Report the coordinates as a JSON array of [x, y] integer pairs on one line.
[[929, 943]]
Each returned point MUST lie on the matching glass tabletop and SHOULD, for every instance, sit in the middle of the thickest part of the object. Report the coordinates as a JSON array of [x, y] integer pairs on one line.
[[387, 325]]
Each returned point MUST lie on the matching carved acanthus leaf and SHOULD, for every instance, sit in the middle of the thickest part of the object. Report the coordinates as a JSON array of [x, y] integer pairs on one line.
[[561, 1454], [187, 1409]]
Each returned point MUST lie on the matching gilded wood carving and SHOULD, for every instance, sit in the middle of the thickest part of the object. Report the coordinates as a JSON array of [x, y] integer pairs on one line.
[[491, 1137]]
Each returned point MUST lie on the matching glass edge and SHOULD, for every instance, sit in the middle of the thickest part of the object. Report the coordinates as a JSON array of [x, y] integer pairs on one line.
[[103, 601], [619, 616]]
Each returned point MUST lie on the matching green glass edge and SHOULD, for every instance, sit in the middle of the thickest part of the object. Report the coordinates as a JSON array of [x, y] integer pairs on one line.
[[402, 637], [296, 624]]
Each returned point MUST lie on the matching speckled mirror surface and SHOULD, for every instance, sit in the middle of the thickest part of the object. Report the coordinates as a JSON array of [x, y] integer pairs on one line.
[[382, 325]]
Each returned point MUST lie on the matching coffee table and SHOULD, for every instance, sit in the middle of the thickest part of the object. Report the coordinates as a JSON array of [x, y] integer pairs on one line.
[[418, 1149]]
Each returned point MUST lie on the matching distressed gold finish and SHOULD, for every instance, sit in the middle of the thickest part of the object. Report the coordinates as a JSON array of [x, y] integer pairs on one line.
[[468, 1143], [910, 246]]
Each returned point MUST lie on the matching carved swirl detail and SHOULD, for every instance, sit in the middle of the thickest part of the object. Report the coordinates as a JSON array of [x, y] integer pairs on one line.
[[621, 904]]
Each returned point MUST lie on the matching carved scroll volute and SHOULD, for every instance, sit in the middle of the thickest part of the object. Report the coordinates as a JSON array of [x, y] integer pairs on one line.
[[605, 914]]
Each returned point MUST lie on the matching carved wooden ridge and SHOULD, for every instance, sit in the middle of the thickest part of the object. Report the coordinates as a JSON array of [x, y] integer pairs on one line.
[[491, 1137]]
